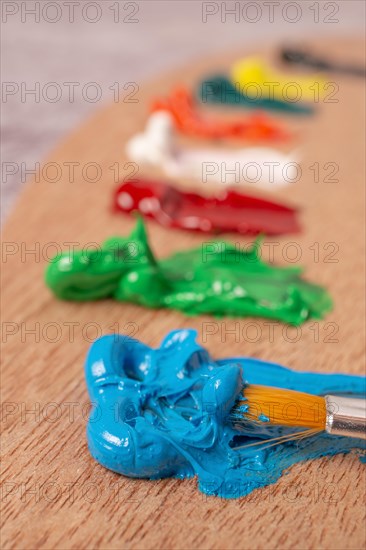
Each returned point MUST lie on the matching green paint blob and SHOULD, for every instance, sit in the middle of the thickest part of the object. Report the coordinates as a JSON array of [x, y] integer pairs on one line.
[[217, 278]]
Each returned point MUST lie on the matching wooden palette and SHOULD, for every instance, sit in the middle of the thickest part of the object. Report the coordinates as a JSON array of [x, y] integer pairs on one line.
[[54, 494]]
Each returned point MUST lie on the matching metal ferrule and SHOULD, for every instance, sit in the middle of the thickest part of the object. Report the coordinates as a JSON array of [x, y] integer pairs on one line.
[[346, 416]]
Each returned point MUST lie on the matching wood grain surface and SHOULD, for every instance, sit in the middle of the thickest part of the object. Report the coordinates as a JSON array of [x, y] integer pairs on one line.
[[54, 495]]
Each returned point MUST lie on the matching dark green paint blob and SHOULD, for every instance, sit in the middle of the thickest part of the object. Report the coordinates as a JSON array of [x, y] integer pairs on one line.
[[216, 278], [220, 90]]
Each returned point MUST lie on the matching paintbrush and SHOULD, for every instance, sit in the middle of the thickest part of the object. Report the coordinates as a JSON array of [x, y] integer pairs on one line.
[[292, 55], [334, 414]]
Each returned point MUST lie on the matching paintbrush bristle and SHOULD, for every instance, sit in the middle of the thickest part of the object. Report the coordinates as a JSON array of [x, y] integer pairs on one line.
[[282, 407]]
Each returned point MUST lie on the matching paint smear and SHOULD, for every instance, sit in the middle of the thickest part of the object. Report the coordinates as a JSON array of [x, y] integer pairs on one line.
[[227, 212], [255, 75], [261, 167], [218, 278], [219, 90], [190, 121], [165, 412]]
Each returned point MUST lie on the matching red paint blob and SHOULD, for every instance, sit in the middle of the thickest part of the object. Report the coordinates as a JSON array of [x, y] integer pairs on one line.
[[230, 212]]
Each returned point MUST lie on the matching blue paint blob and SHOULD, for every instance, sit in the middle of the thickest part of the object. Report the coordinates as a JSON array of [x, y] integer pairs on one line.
[[263, 418], [167, 412]]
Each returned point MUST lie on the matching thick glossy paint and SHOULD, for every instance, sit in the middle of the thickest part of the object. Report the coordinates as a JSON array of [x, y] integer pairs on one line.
[[274, 85], [228, 212], [166, 412], [190, 121], [219, 89], [217, 278]]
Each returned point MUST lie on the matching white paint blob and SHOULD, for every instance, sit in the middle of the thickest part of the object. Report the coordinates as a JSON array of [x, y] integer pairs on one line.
[[258, 166]]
